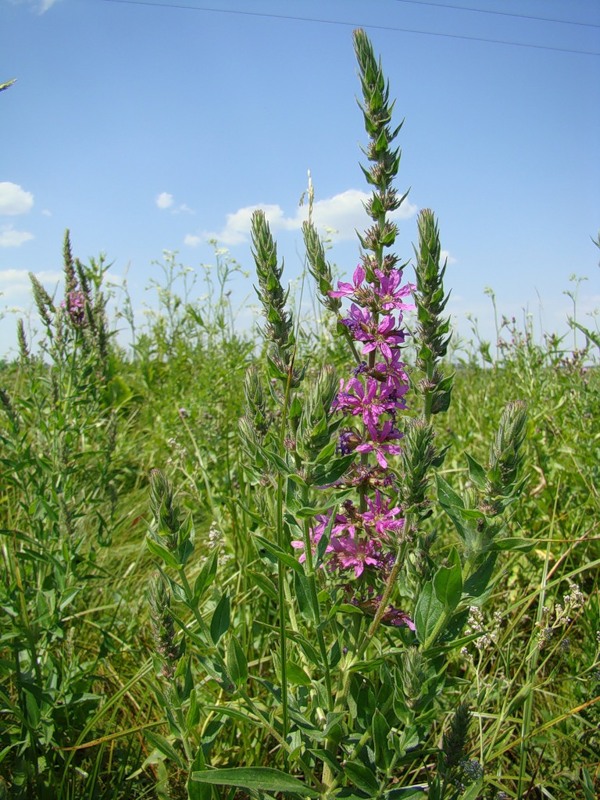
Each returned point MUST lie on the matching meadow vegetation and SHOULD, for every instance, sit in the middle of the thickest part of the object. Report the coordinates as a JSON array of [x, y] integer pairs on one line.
[[341, 557]]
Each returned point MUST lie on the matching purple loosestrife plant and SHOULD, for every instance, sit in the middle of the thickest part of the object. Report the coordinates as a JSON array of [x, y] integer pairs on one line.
[[351, 693], [364, 538], [369, 534]]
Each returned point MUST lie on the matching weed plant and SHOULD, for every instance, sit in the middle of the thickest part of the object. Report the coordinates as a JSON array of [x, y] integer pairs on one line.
[[370, 566]]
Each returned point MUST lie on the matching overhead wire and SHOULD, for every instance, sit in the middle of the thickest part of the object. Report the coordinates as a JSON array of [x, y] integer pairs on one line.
[[500, 13], [370, 26]]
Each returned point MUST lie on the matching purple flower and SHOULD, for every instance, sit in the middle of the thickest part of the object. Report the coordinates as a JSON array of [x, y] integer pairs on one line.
[[381, 443], [393, 616], [381, 517], [371, 401], [382, 335], [342, 525], [350, 289], [364, 539], [74, 303], [351, 552], [390, 291], [348, 441]]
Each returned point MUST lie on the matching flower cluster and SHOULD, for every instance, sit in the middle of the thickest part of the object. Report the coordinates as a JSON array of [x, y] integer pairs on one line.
[[561, 616], [362, 538], [75, 303]]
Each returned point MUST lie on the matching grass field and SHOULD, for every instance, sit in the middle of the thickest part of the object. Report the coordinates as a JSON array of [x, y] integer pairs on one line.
[[433, 630]]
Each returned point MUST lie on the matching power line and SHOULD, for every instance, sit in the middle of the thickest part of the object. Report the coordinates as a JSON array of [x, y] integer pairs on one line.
[[500, 13], [352, 25]]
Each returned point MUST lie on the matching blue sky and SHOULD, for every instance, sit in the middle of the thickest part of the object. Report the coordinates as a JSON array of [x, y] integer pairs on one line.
[[145, 128]]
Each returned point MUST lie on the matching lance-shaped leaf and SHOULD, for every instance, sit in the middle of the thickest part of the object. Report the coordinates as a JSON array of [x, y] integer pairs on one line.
[[258, 779]]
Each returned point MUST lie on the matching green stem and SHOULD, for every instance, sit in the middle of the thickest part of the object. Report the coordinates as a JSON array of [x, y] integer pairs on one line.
[[281, 580], [532, 665], [222, 666], [281, 574], [363, 642], [314, 601], [437, 629]]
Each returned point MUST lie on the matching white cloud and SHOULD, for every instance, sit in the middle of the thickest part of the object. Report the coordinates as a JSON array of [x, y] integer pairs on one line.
[[237, 225], [164, 200], [340, 215], [445, 255], [15, 282], [14, 200], [193, 241], [345, 213], [41, 6], [9, 237]]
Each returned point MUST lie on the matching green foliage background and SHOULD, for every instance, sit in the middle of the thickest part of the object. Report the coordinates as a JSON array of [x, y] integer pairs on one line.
[[81, 430]]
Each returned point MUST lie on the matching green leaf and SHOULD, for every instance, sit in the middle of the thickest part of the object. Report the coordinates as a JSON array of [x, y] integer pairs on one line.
[[472, 792], [328, 473], [33, 708], [297, 675], [476, 585], [232, 712], [586, 780], [326, 453], [381, 729], [476, 473], [264, 583], [307, 647], [326, 757], [237, 664], [407, 793], [198, 791], [304, 597], [446, 494], [206, 576], [307, 512], [465, 519], [193, 715], [448, 582], [286, 558], [428, 611], [260, 779], [165, 747], [515, 544], [335, 654], [220, 619], [295, 409], [160, 551], [362, 778], [276, 461]]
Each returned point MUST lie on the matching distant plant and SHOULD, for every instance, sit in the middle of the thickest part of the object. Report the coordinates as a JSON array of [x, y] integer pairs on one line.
[[59, 430], [344, 688]]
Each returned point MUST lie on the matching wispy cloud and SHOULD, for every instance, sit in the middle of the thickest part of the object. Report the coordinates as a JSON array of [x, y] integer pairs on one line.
[[165, 201], [9, 237], [340, 216], [445, 255], [40, 6], [14, 199], [16, 282]]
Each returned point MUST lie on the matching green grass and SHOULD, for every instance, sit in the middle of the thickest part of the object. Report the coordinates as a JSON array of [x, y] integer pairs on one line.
[[82, 721], [160, 636]]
